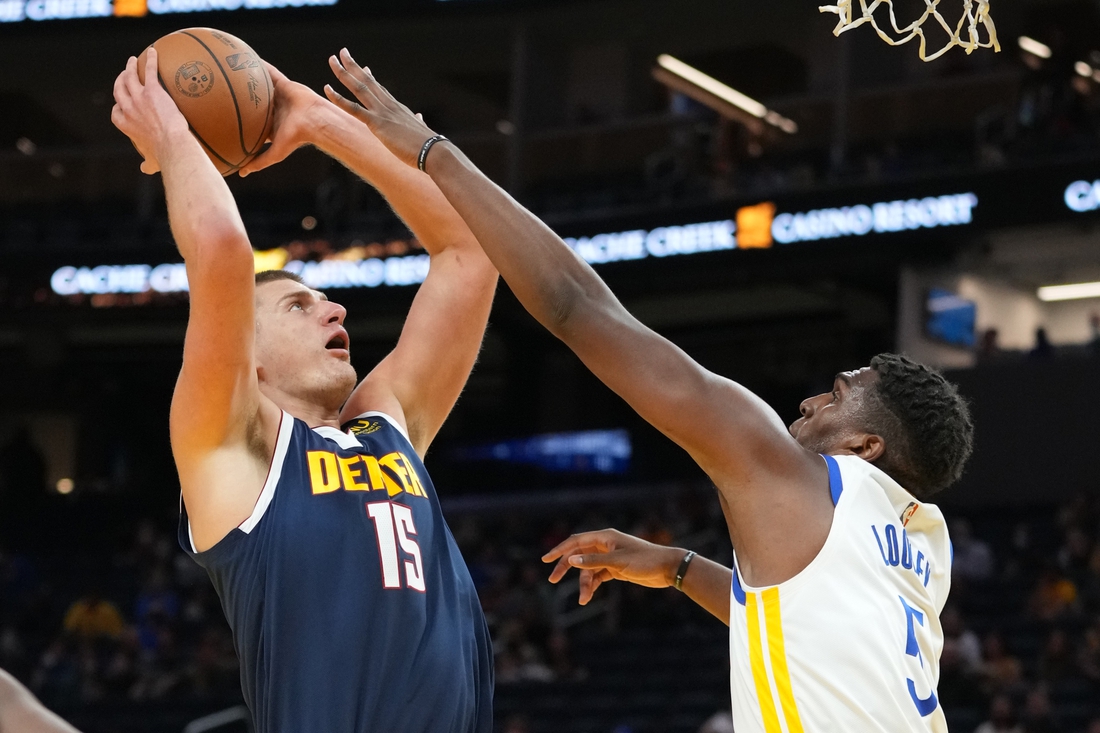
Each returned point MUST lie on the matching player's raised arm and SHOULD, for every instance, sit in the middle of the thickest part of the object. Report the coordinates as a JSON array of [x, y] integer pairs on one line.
[[765, 476], [216, 404], [420, 380]]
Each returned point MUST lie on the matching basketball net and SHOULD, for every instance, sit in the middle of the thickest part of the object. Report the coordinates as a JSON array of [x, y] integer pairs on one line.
[[971, 19]]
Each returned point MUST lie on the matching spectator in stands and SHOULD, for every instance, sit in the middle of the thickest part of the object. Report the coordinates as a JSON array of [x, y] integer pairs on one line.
[[1038, 717], [1057, 662], [973, 560], [1090, 584], [1002, 717], [959, 686], [1093, 726], [968, 645], [93, 617], [1043, 349], [1088, 655], [1073, 557], [1054, 597], [988, 347], [1002, 672]]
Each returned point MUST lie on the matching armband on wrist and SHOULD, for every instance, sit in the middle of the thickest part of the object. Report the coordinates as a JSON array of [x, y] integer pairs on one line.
[[423, 157], [682, 570]]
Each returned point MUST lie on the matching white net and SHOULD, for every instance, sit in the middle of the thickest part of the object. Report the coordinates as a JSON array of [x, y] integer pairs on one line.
[[966, 34]]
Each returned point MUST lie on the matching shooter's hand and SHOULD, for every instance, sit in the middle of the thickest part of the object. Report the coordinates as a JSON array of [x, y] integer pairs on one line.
[[296, 120], [612, 555], [392, 122], [145, 112]]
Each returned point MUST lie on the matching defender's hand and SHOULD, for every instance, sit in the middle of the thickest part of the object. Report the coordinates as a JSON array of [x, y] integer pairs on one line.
[[612, 555], [145, 112], [294, 124], [392, 122]]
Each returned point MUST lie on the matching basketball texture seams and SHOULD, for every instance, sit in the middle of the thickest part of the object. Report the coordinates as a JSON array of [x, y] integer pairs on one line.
[[223, 90]]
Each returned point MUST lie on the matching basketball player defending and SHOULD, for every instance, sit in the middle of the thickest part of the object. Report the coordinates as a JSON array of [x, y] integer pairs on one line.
[[306, 500], [840, 571]]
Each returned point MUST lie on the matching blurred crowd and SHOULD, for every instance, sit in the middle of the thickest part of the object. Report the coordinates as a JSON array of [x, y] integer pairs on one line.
[[1022, 627]]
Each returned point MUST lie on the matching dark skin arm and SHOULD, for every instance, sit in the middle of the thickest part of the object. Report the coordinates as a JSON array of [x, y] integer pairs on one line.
[[777, 492], [611, 555]]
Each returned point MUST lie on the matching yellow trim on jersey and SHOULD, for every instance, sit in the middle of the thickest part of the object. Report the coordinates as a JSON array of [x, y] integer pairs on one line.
[[759, 672], [778, 653]]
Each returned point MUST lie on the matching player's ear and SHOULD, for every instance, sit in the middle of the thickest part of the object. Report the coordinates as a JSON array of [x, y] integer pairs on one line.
[[867, 446]]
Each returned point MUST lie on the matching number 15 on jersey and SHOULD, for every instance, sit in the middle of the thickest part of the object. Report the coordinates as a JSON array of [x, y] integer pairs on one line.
[[393, 525]]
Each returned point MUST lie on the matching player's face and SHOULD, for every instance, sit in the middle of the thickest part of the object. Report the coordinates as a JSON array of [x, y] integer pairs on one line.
[[302, 349], [828, 419]]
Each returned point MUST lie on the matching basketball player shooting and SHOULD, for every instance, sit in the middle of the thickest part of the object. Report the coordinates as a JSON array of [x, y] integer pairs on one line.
[[841, 567], [304, 494]]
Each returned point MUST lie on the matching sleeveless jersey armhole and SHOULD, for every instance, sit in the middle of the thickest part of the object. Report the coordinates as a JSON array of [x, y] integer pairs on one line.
[[267, 493], [388, 418], [739, 587]]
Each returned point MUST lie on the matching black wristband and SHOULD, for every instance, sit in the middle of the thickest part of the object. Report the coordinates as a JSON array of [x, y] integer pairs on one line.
[[682, 571], [424, 150]]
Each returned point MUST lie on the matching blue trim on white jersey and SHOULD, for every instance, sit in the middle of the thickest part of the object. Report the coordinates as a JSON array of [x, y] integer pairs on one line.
[[738, 591], [836, 483]]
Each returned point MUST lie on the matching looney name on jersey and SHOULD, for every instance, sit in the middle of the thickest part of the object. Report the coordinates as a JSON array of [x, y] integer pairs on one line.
[[392, 473], [898, 552]]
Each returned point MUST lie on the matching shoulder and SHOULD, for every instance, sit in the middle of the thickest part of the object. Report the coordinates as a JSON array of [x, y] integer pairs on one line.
[[373, 421]]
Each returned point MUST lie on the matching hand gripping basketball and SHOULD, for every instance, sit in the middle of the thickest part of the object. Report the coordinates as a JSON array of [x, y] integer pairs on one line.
[[403, 132], [145, 112]]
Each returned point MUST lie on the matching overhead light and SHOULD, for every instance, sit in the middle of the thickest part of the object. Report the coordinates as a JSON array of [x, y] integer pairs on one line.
[[309, 223], [65, 486], [1034, 47], [25, 146], [1076, 291], [726, 93], [1082, 69]]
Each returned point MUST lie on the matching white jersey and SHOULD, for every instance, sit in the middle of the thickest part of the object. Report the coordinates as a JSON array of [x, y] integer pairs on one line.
[[853, 642]]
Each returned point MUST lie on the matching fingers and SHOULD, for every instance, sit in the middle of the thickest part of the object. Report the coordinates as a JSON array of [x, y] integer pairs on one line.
[[355, 110], [130, 77], [355, 82], [121, 93], [276, 75], [275, 153], [560, 570], [601, 541], [590, 581], [152, 73]]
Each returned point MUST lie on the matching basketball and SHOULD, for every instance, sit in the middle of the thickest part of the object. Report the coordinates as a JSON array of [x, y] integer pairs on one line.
[[223, 89]]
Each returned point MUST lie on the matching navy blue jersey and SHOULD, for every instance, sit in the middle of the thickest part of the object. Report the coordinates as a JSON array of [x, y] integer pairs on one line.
[[351, 608]]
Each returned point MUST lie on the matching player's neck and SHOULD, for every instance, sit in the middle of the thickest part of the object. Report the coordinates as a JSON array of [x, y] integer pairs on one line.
[[308, 411]]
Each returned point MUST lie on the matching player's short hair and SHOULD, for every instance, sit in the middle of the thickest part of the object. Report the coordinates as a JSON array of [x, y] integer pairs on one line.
[[268, 276], [925, 422]]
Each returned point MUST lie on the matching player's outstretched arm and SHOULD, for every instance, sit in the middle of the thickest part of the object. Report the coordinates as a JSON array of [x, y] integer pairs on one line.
[[611, 555], [216, 413], [770, 483], [420, 380], [21, 712]]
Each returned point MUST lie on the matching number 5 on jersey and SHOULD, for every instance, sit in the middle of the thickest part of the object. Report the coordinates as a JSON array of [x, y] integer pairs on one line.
[[393, 524]]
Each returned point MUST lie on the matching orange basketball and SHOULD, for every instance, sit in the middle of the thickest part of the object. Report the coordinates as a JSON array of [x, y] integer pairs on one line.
[[223, 89]]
